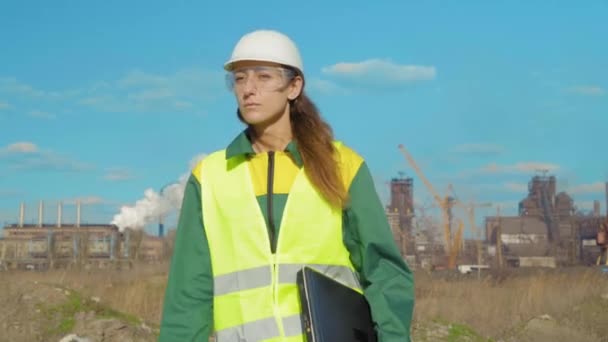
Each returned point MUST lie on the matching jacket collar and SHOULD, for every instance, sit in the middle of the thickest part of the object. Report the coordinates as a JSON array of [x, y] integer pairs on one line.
[[241, 145]]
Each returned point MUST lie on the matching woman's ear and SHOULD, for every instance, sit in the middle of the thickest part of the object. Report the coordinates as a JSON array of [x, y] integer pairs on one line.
[[295, 88]]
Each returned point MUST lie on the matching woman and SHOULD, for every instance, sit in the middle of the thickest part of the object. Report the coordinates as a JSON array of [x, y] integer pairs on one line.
[[283, 194]]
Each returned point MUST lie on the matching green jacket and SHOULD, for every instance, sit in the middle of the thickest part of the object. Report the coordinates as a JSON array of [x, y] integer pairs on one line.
[[387, 280]]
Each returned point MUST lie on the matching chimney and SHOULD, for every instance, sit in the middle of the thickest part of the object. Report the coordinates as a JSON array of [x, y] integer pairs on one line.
[[59, 209], [21, 214], [127, 243], [40, 213], [78, 213], [161, 226], [596, 208]]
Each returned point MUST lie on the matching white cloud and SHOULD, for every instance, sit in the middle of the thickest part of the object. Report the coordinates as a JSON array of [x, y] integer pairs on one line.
[[381, 71], [49, 161], [19, 147], [139, 91], [28, 156], [590, 90], [5, 105], [151, 95], [324, 86], [12, 86], [522, 167], [41, 115], [118, 174], [138, 78], [592, 188], [479, 148], [516, 187]]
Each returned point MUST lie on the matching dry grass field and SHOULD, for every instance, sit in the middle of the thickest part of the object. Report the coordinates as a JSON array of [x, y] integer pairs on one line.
[[527, 305]]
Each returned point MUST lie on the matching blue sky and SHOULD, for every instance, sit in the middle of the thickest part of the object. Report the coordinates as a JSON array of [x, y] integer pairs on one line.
[[101, 101]]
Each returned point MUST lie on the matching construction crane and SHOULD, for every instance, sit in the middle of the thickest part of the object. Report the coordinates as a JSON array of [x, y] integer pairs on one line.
[[469, 208], [444, 204]]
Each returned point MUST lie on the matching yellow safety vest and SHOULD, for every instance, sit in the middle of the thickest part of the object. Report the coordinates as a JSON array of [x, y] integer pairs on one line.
[[255, 292]]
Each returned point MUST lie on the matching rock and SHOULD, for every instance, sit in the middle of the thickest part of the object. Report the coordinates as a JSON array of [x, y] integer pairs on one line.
[[146, 328], [545, 328], [96, 299], [110, 329], [605, 296], [73, 338]]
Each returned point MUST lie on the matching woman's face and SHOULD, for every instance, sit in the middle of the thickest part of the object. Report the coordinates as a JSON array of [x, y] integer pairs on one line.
[[263, 90]]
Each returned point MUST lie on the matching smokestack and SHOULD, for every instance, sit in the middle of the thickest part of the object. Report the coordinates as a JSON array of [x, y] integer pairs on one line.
[[127, 243], [596, 208], [78, 213], [21, 214], [161, 226], [40, 213], [59, 209]]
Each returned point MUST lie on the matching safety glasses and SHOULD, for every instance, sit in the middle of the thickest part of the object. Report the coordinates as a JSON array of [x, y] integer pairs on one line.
[[263, 78]]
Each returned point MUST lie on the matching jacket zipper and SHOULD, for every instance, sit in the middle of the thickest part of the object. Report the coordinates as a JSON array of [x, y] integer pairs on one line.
[[269, 194], [273, 241]]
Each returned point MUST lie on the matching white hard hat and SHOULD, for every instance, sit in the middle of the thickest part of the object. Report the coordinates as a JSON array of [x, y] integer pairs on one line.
[[266, 46]]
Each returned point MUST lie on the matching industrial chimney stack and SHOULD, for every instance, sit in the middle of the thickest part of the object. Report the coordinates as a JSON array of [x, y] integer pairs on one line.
[[21, 215], [78, 213], [59, 213], [161, 226], [40, 213]]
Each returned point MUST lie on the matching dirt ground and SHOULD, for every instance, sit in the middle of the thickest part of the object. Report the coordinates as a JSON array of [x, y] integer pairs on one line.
[[32, 308], [37, 311]]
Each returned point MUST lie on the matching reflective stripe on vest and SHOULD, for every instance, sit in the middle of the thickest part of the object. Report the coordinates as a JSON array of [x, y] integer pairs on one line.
[[255, 292], [261, 276], [261, 330]]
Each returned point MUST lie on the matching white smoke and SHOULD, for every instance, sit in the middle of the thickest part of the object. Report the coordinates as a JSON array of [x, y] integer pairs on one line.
[[154, 204]]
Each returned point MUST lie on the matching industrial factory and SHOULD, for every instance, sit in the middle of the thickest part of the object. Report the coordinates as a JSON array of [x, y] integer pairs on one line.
[[548, 231], [45, 246]]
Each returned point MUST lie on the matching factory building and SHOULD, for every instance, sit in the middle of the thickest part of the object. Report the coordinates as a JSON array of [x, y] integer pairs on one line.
[[60, 245], [400, 212], [546, 232]]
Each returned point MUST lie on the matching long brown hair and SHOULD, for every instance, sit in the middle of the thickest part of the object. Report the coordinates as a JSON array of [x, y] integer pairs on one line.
[[314, 138]]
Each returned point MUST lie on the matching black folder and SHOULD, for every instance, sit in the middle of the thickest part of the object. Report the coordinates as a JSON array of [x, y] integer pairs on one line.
[[333, 312]]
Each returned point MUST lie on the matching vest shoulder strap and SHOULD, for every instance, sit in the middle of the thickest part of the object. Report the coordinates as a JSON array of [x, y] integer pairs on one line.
[[349, 162], [198, 168]]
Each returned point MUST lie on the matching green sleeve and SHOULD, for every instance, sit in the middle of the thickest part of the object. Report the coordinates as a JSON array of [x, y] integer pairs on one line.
[[387, 281], [188, 304]]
